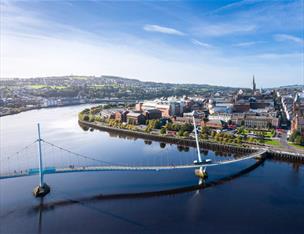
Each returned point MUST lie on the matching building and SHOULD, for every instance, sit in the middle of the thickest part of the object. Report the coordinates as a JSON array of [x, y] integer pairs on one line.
[[217, 124], [196, 114], [287, 103], [165, 109], [254, 121], [220, 116], [170, 106], [152, 114], [253, 86], [241, 107], [107, 114], [138, 106], [135, 118], [183, 120], [297, 124], [121, 115], [221, 108]]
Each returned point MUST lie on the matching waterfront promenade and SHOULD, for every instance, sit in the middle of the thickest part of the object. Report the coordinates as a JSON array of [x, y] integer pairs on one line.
[[271, 152]]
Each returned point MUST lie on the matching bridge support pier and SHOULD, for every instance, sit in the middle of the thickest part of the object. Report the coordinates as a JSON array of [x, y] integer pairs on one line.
[[42, 189], [201, 172]]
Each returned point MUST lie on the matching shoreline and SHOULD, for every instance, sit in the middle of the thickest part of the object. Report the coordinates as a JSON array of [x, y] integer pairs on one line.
[[46, 107], [214, 146], [66, 105], [169, 139]]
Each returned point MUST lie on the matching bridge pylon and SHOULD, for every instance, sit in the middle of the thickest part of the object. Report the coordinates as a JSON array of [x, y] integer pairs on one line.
[[202, 171], [42, 189]]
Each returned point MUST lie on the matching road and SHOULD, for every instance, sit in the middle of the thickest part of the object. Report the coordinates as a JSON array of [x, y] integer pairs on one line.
[[286, 146]]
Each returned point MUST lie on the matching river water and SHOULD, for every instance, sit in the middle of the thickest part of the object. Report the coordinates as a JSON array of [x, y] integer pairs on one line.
[[266, 198]]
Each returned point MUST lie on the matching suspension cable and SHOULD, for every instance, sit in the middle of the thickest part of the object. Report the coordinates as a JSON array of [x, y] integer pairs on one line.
[[81, 155], [21, 150]]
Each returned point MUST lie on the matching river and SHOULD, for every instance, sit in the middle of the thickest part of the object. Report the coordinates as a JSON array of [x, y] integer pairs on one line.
[[266, 199]]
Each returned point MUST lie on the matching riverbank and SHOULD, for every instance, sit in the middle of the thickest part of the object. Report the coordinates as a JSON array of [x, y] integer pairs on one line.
[[38, 108], [105, 101], [271, 153]]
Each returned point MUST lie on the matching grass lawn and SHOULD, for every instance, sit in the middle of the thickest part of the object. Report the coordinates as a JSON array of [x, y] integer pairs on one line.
[[98, 85], [45, 86], [268, 134], [80, 77], [297, 146], [272, 142]]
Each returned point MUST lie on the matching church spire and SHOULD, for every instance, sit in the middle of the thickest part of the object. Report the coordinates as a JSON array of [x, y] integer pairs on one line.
[[253, 85]]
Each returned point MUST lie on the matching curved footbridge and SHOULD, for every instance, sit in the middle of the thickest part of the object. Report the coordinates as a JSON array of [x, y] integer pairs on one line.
[[42, 189], [257, 154], [53, 170]]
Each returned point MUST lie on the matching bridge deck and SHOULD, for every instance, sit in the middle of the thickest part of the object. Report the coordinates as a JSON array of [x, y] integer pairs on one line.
[[130, 168]]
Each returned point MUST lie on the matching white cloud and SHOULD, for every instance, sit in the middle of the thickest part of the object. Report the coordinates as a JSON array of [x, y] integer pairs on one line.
[[235, 5], [286, 37], [217, 30], [247, 43], [161, 29], [33, 46], [43, 56], [199, 43]]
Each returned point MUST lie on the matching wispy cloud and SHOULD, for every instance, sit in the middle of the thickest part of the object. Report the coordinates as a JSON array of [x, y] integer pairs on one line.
[[235, 5], [162, 29], [217, 30], [30, 35], [287, 37], [279, 56], [247, 43], [199, 43]]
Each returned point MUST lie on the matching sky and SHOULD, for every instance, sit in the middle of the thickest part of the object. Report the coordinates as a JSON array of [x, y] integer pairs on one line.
[[207, 42]]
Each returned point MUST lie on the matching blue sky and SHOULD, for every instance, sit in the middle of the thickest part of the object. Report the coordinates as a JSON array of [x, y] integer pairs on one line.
[[213, 42]]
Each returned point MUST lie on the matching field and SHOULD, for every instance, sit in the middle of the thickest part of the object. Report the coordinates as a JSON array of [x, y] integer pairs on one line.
[[272, 142], [46, 86], [297, 146]]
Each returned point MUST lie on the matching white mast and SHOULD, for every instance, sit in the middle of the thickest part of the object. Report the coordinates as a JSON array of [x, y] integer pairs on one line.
[[196, 138], [40, 158]]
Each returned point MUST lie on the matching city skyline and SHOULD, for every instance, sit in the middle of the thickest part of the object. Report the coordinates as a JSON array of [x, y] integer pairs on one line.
[[218, 43]]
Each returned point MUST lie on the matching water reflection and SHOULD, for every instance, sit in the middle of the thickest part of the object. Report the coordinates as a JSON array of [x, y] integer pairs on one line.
[[147, 142], [278, 188], [202, 184], [162, 145]]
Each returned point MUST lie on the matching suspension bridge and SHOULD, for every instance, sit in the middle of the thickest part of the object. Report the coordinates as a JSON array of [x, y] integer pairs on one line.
[[88, 164]]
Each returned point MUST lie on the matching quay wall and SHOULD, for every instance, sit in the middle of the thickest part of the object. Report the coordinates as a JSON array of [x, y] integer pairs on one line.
[[170, 139], [214, 146]]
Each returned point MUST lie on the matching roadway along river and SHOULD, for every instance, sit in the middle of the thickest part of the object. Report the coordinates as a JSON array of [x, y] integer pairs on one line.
[[267, 199]]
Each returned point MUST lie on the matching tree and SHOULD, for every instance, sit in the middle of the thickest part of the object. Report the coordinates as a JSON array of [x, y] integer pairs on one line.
[[204, 136], [148, 129], [186, 134], [180, 133], [86, 118], [168, 126], [205, 130], [205, 120], [162, 131], [269, 125], [298, 140], [294, 135], [241, 130], [187, 127]]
